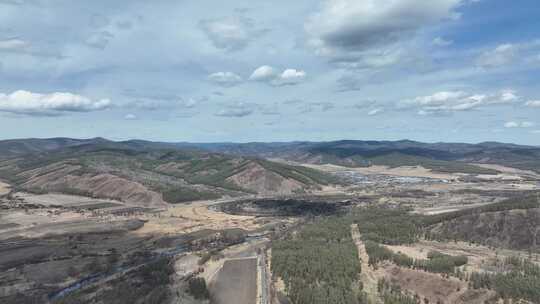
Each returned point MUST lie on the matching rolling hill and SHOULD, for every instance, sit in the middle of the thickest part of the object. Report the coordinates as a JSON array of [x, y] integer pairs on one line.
[[146, 174], [442, 157], [149, 173]]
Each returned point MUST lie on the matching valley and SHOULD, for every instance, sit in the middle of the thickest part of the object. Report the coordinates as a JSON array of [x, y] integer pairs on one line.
[[95, 224], [270, 152]]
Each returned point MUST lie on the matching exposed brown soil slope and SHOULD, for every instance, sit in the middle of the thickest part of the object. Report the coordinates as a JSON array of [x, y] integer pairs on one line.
[[4, 188], [151, 177], [436, 288], [63, 178], [262, 181]]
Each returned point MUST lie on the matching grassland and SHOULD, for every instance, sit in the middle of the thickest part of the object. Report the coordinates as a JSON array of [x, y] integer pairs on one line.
[[394, 160]]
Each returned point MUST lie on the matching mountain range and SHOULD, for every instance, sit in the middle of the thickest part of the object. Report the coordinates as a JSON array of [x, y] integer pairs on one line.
[[154, 174]]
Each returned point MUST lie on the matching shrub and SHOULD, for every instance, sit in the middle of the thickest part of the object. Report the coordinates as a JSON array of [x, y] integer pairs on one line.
[[197, 288]]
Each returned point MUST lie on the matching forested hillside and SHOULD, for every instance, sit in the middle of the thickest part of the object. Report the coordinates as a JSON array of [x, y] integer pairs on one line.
[[444, 157], [319, 264], [152, 176]]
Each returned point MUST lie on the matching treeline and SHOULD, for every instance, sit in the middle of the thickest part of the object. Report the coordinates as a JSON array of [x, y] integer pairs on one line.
[[181, 195], [436, 262], [440, 264], [305, 175], [319, 264], [198, 289], [519, 279], [490, 225], [523, 202], [150, 285], [397, 225]]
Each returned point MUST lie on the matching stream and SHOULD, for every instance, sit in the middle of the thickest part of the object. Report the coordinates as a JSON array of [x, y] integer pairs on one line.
[[101, 276]]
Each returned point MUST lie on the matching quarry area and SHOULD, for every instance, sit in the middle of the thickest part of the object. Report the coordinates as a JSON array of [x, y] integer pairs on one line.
[[69, 248]]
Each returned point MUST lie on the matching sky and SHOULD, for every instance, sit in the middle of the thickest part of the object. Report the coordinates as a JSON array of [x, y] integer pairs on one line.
[[240, 71]]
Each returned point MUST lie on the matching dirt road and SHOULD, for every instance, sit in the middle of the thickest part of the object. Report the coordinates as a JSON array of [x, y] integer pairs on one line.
[[262, 280], [367, 276]]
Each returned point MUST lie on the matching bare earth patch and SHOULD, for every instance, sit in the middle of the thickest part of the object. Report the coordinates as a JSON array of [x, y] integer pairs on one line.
[[54, 199], [478, 256], [448, 208], [405, 171], [262, 181], [71, 227], [62, 176], [434, 287], [236, 282], [508, 170], [195, 216], [4, 188]]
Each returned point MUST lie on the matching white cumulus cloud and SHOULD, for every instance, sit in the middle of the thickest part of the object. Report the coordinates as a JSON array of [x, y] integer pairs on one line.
[[234, 112], [225, 79], [517, 124], [263, 73], [439, 41], [511, 124], [501, 55], [271, 76], [25, 102], [188, 103], [13, 44], [239, 109], [455, 101], [231, 33], [533, 103], [375, 111], [510, 55], [291, 76]]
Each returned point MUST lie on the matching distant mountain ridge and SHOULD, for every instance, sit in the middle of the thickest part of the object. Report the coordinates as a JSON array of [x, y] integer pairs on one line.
[[446, 157], [17, 147]]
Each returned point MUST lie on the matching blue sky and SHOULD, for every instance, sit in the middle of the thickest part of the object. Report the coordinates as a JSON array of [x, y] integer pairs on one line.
[[208, 71]]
